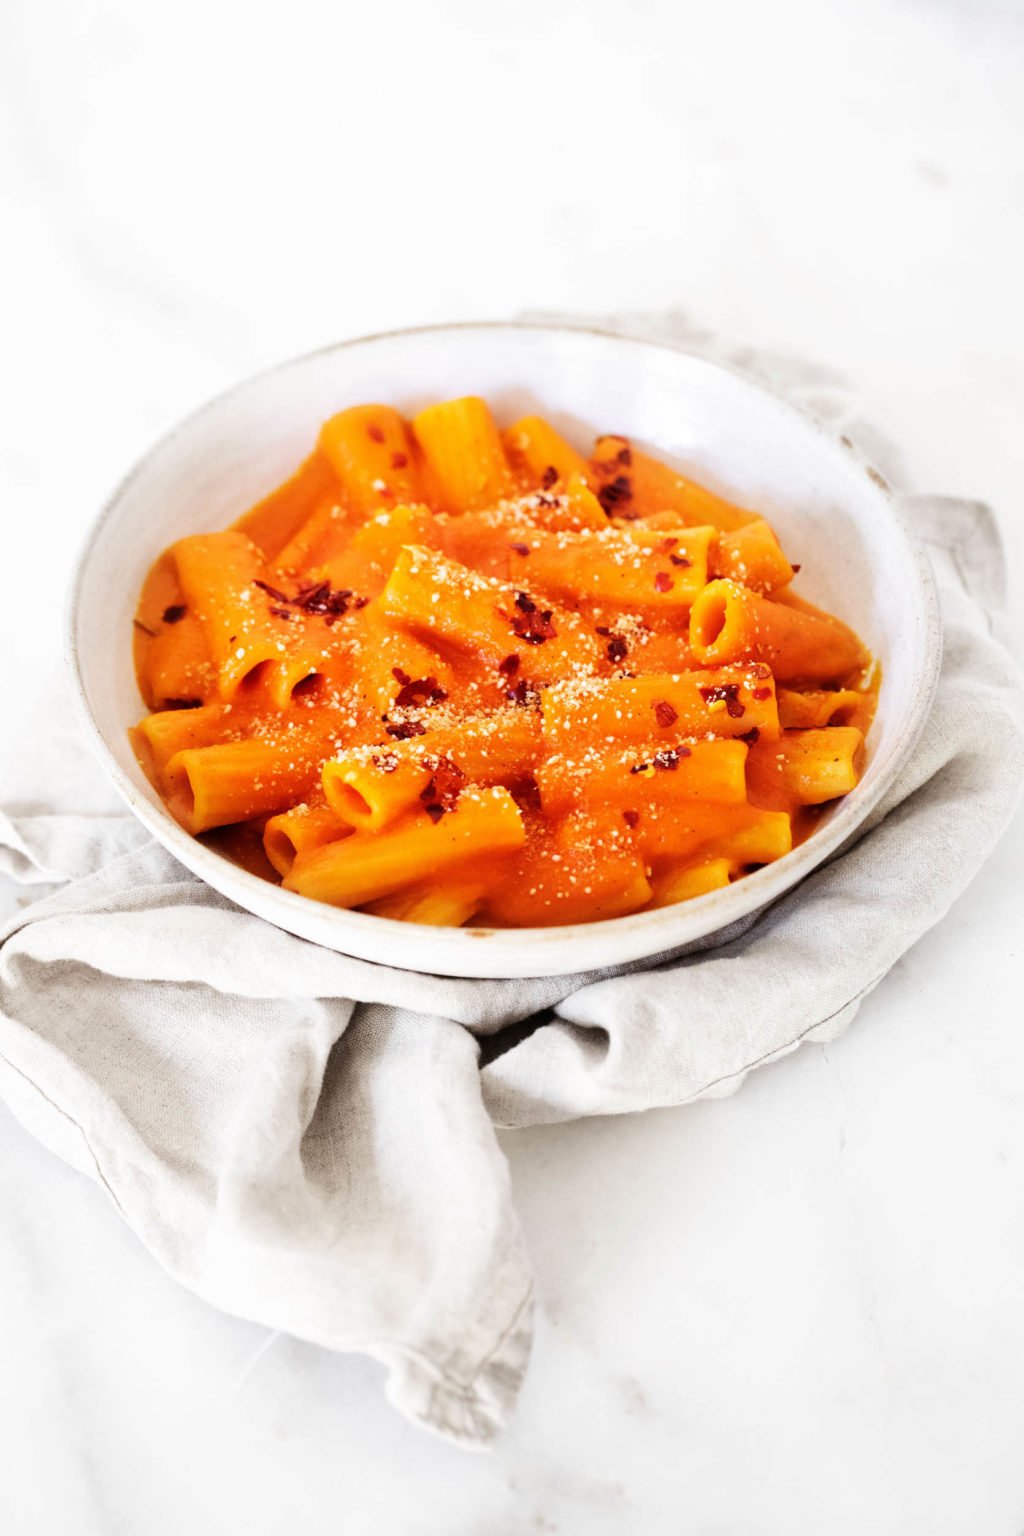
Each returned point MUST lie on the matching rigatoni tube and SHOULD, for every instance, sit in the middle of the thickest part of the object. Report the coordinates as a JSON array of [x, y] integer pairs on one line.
[[463, 450], [729, 623], [371, 865], [806, 767], [297, 830]]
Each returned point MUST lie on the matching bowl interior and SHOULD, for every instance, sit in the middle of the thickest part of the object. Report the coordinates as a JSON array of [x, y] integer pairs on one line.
[[857, 560]]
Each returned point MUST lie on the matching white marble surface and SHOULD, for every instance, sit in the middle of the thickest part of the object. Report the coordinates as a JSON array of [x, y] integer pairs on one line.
[[800, 1310]]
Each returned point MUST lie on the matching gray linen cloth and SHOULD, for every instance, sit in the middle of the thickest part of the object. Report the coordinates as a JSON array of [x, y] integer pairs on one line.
[[307, 1140]]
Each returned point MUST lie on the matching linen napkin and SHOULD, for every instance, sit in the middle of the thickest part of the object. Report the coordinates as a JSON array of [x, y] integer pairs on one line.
[[307, 1140]]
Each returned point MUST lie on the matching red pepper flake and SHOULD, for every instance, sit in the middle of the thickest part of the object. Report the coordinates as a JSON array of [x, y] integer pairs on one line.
[[399, 460], [631, 818], [145, 628], [375, 432], [625, 456], [530, 624], [730, 693], [400, 676], [406, 729], [283, 613], [445, 785], [664, 713], [278, 596], [520, 549], [760, 694], [320, 598], [615, 493], [796, 568], [175, 613], [750, 736], [549, 477], [680, 560], [663, 582], [616, 649], [601, 629], [182, 703], [667, 545], [526, 793], [417, 693], [519, 693], [667, 760]]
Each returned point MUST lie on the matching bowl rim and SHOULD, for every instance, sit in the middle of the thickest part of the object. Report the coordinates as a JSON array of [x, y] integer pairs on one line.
[[638, 935]]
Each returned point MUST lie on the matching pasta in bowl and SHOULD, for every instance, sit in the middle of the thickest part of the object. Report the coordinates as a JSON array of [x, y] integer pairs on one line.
[[446, 674], [472, 693]]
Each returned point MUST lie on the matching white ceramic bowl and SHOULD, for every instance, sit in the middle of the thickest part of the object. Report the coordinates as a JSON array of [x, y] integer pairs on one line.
[[833, 513]]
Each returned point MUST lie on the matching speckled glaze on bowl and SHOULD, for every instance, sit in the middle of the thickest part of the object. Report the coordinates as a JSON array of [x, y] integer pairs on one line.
[[832, 511]]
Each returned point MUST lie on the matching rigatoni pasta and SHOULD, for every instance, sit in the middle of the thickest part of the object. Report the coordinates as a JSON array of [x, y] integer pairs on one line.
[[451, 673]]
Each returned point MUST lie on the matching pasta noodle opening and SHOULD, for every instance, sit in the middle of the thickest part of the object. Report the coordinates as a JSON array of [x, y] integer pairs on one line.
[[256, 676], [350, 804], [281, 849], [843, 714], [708, 619], [308, 686], [181, 794]]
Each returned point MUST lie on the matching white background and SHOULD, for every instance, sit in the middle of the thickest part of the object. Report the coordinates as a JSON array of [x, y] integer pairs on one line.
[[800, 1310]]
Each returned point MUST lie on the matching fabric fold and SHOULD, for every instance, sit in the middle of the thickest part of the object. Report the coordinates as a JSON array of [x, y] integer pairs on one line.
[[320, 1166]]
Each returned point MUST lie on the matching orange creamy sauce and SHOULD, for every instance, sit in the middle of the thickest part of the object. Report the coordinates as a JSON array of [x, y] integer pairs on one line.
[[457, 675]]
